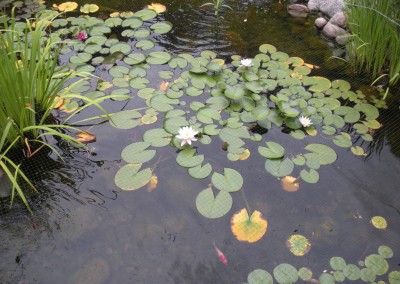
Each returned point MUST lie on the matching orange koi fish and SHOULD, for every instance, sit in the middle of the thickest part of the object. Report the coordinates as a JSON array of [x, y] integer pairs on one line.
[[221, 256]]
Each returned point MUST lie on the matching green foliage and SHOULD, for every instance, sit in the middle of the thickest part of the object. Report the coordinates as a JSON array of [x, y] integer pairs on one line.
[[217, 5], [375, 44]]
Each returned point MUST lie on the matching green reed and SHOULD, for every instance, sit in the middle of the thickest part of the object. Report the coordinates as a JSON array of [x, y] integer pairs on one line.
[[375, 45], [217, 5]]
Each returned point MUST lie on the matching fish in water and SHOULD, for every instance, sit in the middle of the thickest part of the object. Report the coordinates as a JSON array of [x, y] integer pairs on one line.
[[221, 256]]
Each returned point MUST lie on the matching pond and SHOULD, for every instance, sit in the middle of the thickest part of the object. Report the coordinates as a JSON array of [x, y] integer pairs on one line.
[[88, 228]]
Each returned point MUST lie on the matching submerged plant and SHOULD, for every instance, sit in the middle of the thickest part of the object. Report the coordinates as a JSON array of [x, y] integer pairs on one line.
[[217, 5]]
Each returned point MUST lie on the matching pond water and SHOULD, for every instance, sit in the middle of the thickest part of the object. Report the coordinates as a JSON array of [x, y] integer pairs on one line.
[[85, 229]]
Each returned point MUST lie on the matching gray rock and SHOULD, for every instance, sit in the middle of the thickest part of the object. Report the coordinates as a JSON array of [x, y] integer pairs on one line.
[[298, 10], [332, 31], [329, 7], [320, 22], [343, 39], [339, 19]]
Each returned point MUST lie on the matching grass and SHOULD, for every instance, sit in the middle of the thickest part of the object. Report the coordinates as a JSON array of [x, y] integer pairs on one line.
[[31, 85], [217, 5], [375, 29]]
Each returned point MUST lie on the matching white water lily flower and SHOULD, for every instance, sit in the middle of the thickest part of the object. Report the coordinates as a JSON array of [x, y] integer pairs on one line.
[[305, 121], [187, 134], [246, 62]]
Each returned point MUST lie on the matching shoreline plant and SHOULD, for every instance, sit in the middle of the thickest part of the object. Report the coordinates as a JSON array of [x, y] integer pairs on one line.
[[375, 44]]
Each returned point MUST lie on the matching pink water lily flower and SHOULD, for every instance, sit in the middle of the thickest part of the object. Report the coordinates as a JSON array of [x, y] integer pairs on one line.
[[186, 134], [81, 36]]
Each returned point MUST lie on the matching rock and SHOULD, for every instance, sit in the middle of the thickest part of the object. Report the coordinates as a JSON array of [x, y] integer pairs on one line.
[[332, 31], [339, 19], [298, 10], [343, 39], [5, 185], [329, 7], [320, 22]]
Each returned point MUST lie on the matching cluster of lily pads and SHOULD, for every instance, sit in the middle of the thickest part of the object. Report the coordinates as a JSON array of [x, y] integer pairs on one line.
[[217, 100], [205, 99], [369, 270]]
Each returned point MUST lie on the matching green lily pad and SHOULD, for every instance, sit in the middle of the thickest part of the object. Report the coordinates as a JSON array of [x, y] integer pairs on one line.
[[317, 84], [337, 263], [80, 58], [370, 111], [158, 57], [163, 103], [326, 278], [89, 8], [145, 44], [349, 114], [211, 206], [200, 172], [126, 119], [235, 92], [187, 159], [279, 168], [259, 276], [274, 150], [385, 251], [305, 273], [157, 137], [132, 23], [368, 275], [357, 150], [230, 181], [267, 48], [285, 274], [121, 47], [113, 22], [130, 178], [310, 176], [352, 272], [207, 115], [343, 140], [161, 27], [377, 263], [323, 153], [136, 153], [141, 33], [146, 14], [394, 277], [178, 62]]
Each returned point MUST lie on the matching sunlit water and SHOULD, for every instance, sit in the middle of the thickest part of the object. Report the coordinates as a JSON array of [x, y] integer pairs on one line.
[[86, 230]]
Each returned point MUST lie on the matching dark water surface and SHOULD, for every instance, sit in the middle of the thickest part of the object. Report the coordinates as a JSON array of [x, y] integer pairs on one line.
[[86, 230]]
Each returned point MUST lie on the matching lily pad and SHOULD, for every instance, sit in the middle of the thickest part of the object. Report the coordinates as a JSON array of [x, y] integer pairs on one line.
[[126, 119], [274, 150], [130, 178], [248, 229], [337, 263], [352, 272], [186, 158], [310, 176], [136, 153], [161, 27], [230, 181], [259, 276], [279, 168], [286, 274], [211, 206], [200, 172], [157, 137], [158, 57], [298, 245], [323, 153]]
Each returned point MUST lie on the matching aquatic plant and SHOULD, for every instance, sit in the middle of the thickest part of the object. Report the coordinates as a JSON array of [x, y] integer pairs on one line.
[[375, 41], [217, 5], [187, 135]]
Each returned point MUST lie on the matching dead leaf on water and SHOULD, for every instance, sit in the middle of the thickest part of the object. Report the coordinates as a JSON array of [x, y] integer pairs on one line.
[[164, 86], [245, 155], [152, 184], [248, 229], [298, 245], [85, 137], [379, 222], [66, 6], [148, 118], [289, 184], [157, 7], [311, 66]]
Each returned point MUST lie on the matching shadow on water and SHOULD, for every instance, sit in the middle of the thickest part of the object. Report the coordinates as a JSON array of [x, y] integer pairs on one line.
[[85, 230]]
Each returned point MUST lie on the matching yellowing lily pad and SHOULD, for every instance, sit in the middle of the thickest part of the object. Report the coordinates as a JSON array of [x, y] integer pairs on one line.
[[298, 245], [148, 118], [248, 229], [152, 184], [67, 6], [157, 7], [245, 155], [89, 8], [85, 137], [379, 222], [289, 184]]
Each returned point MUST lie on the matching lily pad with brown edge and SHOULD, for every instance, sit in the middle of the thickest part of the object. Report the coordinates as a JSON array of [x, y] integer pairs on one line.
[[248, 229], [290, 184], [379, 222], [130, 178], [230, 181], [157, 7], [85, 137], [211, 206], [298, 245]]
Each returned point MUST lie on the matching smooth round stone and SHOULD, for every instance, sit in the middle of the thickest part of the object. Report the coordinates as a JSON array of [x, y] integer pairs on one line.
[[320, 22], [332, 31], [342, 39], [339, 19], [298, 10]]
